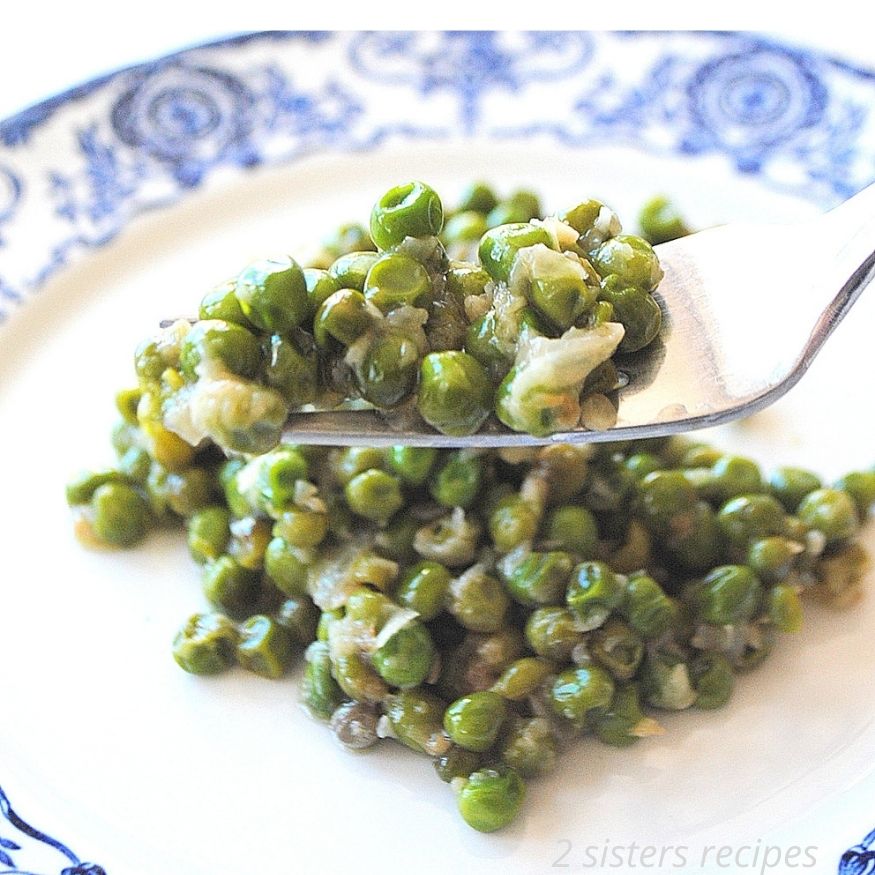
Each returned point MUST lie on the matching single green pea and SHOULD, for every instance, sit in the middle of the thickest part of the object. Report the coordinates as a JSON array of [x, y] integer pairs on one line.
[[279, 472], [593, 592], [355, 460], [208, 533], [265, 647], [558, 286], [582, 217], [623, 722], [412, 209], [646, 607], [351, 270], [713, 679], [396, 539], [749, 517], [730, 476], [478, 601], [273, 294], [249, 540], [457, 763], [697, 542], [482, 342], [374, 495], [772, 558], [291, 366], [661, 222], [617, 647], [636, 310], [832, 512], [631, 258], [284, 566], [700, 456], [319, 691], [237, 503], [230, 587], [357, 677], [343, 316], [479, 197], [300, 616], [371, 569], [456, 482], [512, 522], [231, 345], [302, 528], [499, 246], [784, 607], [320, 286], [578, 692], [642, 464], [387, 373], [540, 578], [790, 485], [149, 361], [464, 227], [120, 514], [412, 464], [573, 528], [205, 644], [397, 280], [860, 485], [351, 237], [491, 798], [533, 324], [416, 718], [664, 497], [509, 211], [221, 303], [455, 392], [183, 492], [423, 587], [530, 747], [474, 721], [464, 280], [666, 683], [522, 677], [728, 595], [552, 632], [405, 659], [81, 489]]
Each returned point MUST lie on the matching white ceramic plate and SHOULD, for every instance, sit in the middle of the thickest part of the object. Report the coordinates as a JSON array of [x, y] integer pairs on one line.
[[120, 202]]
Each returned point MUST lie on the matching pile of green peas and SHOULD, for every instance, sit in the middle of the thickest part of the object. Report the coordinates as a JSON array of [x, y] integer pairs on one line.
[[494, 312], [486, 609]]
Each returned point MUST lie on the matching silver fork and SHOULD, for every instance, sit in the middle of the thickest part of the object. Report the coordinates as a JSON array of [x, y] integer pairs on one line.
[[747, 308]]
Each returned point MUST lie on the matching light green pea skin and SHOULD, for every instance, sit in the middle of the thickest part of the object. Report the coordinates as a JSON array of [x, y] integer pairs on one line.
[[265, 647], [698, 542], [642, 464], [666, 683], [593, 592], [773, 558], [404, 661], [636, 310], [623, 723], [278, 473], [661, 222], [559, 287], [646, 607], [120, 515], [747, 518], [478, 601], [230, 587], [423, 588], [205, 644], [182, 492], [320, 286], [354, 460], [552, 632], [374, 494], [540, 578], [300, 616], [302, 528], [572, 528], [396, 280], [455, 392], [530, 747], [713, 679], [411, 464], [577, 693], [474, 721], [456, 483], [522, 677], [784, 607], [208, 533], [618, 648], [477, 197], [730, 476], [412, 209], [285, 567], [221, 303], [357, 677], [81, 489], [790, 485], [273, 294], [663, 497], [512, 522], [350, 270], [491, 798], [499, 246], [319, 690], [351, 237], [396, 540], [386, 375], [343, 317], [457, 763], [631, 258], [726, 596], [832, 512], [416, 718], [291, 366], [464, 227], [236, 348], [860, 485]]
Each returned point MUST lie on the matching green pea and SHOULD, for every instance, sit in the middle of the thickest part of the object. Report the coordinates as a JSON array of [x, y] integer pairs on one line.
[[278, 475], [319, 691], [631, 258], [666, 682], [772, 558], [700, 456], [464, 280], [784, 607], [396, 539], [522, 677], [572, 528], [455, 392], [416, 718], [205, 644], [491, 798], [423, 587], [558, 286], [618, 648], [355, 460], [357, 678], [539, 578], [593, 592], [530, 747], [623, 722], [465, 227], [512, 522], [499, 246], [81, 489], [235, 348], [578, 692], [749, 517], [636, 310], [790, 485], [343, 316], [661, 222], [713, 679], [320, 286], [265, 647], [731, 476], [229, 586], [221, 303], [697, 542], [646, 607], [412, 464], [665, 497], [351, 270], [728, 595], [302, 528], [120, 514], [397, 280], [860, 485], [582, 217], [351, 237], [478, 601], [300, 616], [642, 464], [405, 659], [478, 197], [482, 342], [183, 492], [273, 294], [374, 495], [474, 721], [457, 763], [387, 373], [552, 632], [832, 512], [412, 209], [208, 533], [456, 483], [291, 366]]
